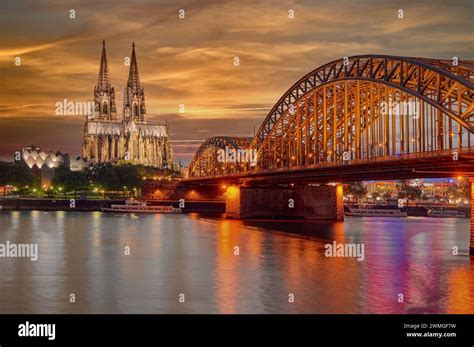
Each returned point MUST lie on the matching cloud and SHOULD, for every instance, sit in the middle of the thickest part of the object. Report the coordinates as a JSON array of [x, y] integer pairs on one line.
[[191, 61]]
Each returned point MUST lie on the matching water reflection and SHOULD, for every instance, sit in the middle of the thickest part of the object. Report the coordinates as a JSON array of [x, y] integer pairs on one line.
[[229, 266]]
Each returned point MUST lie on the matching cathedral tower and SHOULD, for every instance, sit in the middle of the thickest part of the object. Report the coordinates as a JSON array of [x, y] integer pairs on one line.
[[132, 139], [104, 94], [134, 95]]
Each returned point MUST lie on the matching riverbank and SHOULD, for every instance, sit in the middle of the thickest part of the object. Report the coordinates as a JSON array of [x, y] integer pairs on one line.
[[416, 211], [84, 205]]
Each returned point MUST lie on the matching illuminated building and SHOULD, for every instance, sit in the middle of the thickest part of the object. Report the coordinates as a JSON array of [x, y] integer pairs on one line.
[[131, 139]]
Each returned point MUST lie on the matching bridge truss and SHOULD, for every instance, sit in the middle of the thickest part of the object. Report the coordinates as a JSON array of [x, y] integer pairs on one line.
[[358, 109]]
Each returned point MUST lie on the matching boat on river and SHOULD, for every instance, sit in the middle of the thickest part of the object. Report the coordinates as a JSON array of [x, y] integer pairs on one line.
[[441, 213], [373, 212], [137, 206]]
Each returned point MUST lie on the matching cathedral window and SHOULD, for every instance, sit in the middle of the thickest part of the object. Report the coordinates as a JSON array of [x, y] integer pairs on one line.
[[136, 110], [105, 108]]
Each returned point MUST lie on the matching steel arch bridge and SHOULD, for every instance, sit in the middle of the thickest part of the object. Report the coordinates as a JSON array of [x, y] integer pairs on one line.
[[357, 109], [215, 156]]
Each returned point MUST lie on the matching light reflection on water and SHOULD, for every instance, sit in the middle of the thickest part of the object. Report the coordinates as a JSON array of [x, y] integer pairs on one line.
[[84, 254]]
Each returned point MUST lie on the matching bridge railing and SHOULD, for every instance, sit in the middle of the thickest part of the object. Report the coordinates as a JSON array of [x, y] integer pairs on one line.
[[454, 153]]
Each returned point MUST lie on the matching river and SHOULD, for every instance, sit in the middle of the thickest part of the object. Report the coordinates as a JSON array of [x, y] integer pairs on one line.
[[123, 263]]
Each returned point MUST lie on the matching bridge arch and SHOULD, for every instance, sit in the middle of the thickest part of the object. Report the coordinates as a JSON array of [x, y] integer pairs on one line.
[[363, 108], [416, 76], [207, 160]]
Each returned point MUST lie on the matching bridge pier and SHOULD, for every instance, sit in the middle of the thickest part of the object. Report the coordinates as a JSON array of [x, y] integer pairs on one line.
[[302, 202]]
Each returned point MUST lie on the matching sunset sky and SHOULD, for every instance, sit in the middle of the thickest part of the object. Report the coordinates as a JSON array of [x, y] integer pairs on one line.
[[190, 61]]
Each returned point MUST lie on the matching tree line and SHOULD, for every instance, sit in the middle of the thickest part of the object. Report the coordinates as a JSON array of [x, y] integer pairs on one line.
[[17, 176], [122, 177]]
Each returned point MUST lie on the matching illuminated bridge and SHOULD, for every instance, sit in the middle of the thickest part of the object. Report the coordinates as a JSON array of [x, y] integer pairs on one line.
[[362, 110], [356, 118]]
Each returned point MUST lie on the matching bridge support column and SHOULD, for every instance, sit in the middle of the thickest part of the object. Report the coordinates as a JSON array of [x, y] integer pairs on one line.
[[299, 202], [471, 241]]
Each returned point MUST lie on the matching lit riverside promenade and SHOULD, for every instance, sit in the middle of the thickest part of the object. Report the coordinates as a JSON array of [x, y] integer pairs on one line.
[[370, 117]]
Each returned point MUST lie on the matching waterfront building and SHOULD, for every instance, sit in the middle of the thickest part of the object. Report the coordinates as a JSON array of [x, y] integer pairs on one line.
[[432, 188], [132, 139], [41, 163], [44, 163]]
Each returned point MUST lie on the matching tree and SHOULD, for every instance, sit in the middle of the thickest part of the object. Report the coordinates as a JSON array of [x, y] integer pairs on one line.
[[69, 180], [409, 192], [357, 190], [460, 190], [122, 177], [4, 175], [20, 176]]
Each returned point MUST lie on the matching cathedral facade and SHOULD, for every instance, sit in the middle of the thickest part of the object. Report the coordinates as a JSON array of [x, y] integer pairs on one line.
[[132, 139]]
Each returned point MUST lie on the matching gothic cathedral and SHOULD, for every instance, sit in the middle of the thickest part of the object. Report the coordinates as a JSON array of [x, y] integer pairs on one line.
[[132, 139]]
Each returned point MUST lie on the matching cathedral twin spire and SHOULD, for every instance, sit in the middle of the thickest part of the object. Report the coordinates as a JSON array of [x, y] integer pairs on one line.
[[133, 96], [104, 80]]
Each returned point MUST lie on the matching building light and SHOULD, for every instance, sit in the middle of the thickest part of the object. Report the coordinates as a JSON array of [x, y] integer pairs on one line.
[[233, 192]]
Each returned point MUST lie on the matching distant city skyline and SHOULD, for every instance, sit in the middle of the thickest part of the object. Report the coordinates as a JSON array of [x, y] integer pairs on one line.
[[190, 61]]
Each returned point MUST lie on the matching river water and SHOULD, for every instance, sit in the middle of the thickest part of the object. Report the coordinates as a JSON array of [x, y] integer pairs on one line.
[[123, 263]]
